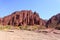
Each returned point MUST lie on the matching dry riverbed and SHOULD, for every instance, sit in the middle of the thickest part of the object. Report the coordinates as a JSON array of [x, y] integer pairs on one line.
[[27, 35]]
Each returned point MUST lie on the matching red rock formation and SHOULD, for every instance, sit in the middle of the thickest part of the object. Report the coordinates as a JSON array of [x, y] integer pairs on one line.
[[54, 22], [23, 17]]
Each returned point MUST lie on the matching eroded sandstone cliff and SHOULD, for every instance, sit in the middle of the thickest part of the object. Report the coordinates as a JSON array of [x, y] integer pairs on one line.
[[54, 22], [24, 17]]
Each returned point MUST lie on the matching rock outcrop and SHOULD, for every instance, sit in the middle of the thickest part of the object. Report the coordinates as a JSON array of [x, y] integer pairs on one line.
[[24, 17], [54, 22]]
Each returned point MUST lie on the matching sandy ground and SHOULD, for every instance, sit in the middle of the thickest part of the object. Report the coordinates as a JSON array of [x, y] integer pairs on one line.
[[27, 35]]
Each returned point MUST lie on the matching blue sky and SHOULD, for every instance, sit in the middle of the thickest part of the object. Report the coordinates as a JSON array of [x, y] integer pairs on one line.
[[45, 8]]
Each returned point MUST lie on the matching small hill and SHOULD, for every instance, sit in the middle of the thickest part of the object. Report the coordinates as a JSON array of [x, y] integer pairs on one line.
[[54, 22]]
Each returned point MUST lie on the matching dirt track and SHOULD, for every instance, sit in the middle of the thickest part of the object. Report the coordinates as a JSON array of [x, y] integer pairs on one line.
[[27, 35]]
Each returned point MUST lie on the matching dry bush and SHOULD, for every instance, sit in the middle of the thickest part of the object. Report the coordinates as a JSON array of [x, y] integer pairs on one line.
[[5, 27], [23, 27], [32, 28]]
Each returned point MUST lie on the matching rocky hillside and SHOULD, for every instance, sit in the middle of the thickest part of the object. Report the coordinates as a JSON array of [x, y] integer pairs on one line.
[[27, 17], [24, 17], [54, 22]]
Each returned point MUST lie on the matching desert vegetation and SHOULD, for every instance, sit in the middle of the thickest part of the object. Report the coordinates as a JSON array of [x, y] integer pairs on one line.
[[5, 27], [27, 27]]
